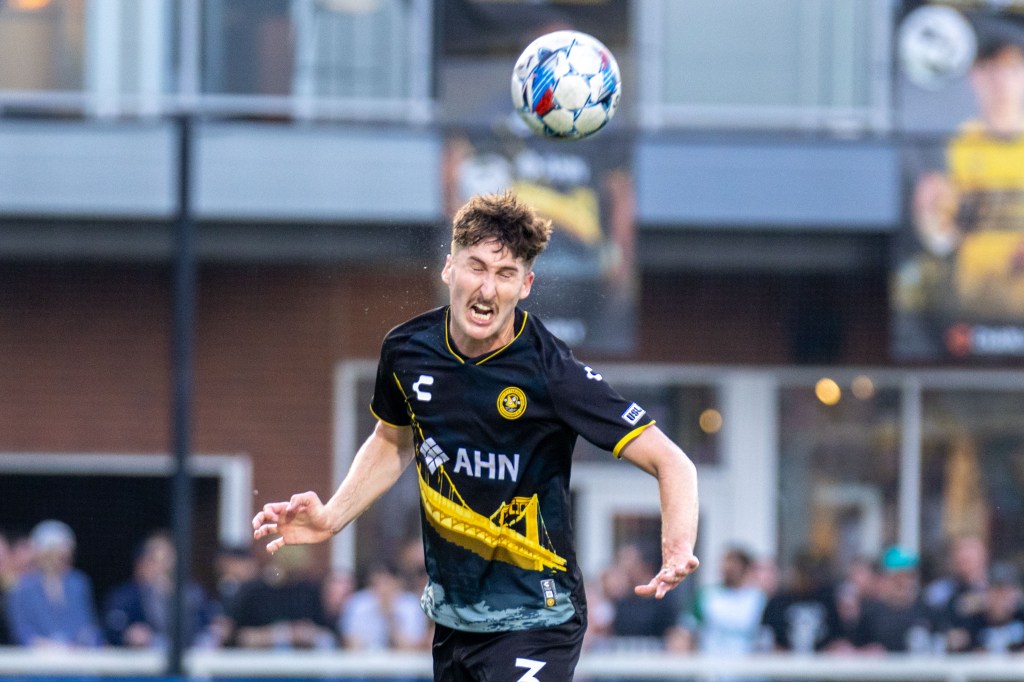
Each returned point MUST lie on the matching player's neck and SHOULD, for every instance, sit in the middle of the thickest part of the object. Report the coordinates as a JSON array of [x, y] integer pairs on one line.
[[469, 347], [1006, 123]]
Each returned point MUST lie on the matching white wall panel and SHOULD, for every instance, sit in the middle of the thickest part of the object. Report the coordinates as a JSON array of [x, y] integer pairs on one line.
[[87, 169], [264, 171]]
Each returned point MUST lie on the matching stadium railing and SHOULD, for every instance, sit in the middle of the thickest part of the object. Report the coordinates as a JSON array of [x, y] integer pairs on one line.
[[651, 665]]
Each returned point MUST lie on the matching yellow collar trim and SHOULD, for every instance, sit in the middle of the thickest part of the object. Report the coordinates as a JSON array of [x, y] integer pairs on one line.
[[455, 354]]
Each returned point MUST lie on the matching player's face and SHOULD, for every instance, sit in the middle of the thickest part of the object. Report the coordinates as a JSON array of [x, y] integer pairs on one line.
[[999, 84], [485, 282]]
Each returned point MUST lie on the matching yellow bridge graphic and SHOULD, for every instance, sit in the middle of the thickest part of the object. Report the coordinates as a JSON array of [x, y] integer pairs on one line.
[[494, 537]]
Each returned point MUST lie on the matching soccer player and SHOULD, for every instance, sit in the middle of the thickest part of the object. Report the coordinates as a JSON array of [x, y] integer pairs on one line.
[[969, 218], [489, 405]]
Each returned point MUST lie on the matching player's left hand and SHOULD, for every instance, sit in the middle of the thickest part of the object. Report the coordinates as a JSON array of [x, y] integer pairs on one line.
[[671, 574]]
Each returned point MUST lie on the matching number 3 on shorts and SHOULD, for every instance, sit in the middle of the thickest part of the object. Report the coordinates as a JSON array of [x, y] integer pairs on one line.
[[532, 668]]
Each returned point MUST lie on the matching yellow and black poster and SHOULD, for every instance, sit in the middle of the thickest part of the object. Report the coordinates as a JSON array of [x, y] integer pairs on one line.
[[958, 280], [586, 279], [586, 286]]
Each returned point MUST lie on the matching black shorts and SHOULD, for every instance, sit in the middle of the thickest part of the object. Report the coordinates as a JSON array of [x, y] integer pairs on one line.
[[544, 655]]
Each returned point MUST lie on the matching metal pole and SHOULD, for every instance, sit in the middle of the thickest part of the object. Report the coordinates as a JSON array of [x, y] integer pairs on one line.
[[185, 275]]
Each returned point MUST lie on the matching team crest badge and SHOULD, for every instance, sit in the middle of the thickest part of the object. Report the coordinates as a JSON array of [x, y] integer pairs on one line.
[[512, 403]]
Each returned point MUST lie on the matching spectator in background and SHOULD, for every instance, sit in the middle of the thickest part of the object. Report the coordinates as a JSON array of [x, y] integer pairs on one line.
[[52, 605], [897, 620], [613, 587], [412, 565], [859, 585], [764, 574], [137, 614], [234, 567], [20, 559], [727, 617], [282, 608], [338, 587], [5, 562], [620, 621], [959, 595], [16, 559], [384, 615], [802, 616], [999, 626], [636, 616]]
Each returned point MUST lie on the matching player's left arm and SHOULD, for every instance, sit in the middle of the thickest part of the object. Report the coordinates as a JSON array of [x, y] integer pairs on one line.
[[655, 453]]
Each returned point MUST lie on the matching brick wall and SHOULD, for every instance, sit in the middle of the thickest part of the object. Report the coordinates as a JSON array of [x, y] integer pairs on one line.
[[85, 361]]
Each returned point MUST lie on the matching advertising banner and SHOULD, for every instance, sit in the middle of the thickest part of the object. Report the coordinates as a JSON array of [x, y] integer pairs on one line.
[[958, 279], [586, 282]]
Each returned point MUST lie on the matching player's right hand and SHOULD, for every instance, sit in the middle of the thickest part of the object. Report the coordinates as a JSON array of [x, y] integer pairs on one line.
[[668, 578], [301, 520]]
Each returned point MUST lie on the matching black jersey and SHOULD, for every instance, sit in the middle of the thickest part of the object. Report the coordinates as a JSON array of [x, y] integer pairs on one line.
[[494, 438]]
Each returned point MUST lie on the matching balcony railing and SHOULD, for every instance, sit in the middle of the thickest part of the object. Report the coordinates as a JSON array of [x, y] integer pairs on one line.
[[383, 665]]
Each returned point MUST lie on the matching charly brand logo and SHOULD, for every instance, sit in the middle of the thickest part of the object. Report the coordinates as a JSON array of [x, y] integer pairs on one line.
[[421, 393], [512, 403]]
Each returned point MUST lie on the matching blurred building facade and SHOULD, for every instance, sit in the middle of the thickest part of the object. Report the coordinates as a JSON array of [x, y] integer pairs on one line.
[[764, 163]]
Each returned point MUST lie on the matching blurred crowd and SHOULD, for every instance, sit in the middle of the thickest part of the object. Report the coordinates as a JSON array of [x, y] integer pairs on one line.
[[887, 603], [257, 602], [872, 605]]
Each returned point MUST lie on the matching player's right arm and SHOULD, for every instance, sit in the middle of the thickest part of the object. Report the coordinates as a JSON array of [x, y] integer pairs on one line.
[[653, 452], [304, 519]]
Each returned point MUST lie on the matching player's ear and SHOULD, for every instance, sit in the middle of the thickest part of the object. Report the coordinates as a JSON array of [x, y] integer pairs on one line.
[[527, 285], [446, 271]]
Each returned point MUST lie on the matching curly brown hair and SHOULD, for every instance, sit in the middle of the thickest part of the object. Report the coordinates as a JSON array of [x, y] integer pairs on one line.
[[504, 218]]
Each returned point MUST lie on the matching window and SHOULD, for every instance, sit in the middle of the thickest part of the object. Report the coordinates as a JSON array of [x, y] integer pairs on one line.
[[356, 50], [973, 469], [41, 44], [839, 465], [790, 63]]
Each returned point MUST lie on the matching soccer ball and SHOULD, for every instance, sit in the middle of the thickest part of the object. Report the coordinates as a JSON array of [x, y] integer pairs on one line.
[[936, 46], [566, 85]]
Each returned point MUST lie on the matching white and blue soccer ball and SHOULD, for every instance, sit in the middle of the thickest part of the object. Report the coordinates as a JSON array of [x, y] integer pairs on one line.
[[566, 84], [937, 45]]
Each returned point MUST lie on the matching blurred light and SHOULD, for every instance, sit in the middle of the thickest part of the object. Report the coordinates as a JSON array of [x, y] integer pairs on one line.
[[828, 391], [862, 387], [27, 5], [710, 421]]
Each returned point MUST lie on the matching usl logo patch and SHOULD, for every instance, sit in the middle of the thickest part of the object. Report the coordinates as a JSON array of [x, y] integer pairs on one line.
[[633, 413], [512, 403]]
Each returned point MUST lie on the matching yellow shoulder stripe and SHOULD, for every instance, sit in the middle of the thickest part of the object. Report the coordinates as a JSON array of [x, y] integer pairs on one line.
[[628, 438]]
